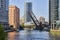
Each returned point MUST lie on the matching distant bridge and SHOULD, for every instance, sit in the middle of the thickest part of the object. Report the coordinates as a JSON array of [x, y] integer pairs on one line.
[[36, 22]]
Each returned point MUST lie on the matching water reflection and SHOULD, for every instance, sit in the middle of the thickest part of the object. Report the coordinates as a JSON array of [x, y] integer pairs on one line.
[[34, 35], [55, 37], [31, 35], [12, 35]]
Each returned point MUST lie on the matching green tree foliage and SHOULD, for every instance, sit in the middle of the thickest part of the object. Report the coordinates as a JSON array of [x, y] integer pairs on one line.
[[2, 33], [22, 25]]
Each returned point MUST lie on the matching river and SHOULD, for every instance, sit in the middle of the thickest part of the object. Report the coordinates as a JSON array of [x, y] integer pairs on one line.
[[30, 35]]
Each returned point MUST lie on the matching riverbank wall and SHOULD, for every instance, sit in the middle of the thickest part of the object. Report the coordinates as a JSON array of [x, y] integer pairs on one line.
[[55, 32]]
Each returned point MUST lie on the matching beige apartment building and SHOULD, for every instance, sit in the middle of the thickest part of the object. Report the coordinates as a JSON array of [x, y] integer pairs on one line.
[[14, 16], [42, 19]]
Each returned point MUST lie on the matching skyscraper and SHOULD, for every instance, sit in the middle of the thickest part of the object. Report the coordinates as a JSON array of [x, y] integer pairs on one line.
[[59, 9], [4, 4], [14, 16], [28, 8], [53, 12], [4, 12]]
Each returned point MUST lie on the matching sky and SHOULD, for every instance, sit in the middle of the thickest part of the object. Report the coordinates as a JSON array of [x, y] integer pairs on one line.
[[39, 7]]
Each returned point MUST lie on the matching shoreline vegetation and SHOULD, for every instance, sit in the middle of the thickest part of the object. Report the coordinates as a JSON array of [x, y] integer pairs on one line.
[[3, 35]]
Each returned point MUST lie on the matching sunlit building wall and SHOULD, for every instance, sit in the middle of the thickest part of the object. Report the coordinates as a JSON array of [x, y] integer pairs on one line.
[[14, 16]]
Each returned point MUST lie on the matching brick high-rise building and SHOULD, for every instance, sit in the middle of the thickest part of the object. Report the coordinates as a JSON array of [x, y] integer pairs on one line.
[[14, 16]]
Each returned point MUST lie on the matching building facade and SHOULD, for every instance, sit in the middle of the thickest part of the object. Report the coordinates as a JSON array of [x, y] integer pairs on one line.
[[58, 21], [42, 19], [28, 8], [14, 16], [53, 12], [4, 12], [59, 9]]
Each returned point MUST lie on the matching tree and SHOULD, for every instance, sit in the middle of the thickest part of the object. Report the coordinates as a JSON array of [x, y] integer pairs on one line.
[[21, 27], [2, 33]]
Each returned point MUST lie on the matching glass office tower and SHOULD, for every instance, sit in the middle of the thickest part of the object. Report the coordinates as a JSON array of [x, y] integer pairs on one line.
[[4, 11], [53, 12], [28, 8], [59, 9]]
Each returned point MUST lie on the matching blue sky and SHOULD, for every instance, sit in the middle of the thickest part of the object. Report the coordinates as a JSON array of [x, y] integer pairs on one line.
[[40, 7]]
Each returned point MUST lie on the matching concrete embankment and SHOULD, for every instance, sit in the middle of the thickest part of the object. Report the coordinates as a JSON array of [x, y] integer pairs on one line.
[[55, 32]]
